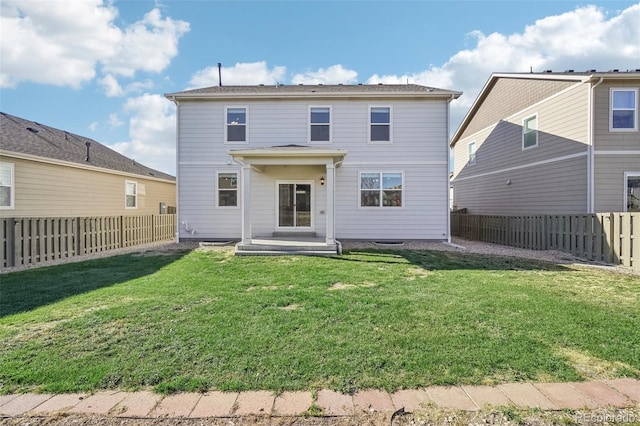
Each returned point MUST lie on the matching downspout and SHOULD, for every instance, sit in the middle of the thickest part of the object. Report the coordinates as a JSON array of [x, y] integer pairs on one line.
[[590, 153], [448, 180]]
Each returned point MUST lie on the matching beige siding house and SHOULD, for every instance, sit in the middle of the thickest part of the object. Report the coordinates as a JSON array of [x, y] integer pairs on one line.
[[46, 172], [550, 143], [326, 161]]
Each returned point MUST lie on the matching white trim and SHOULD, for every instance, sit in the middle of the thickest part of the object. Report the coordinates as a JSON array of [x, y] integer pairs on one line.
[[524, 166], [617, 152], [369, 124], [380, 207], [202, 163], [635, 110], [126, 184], [524, 120], [330, 124], [625, 188], [237, 173], [246, 125], [312, 202], [393, 163], [46, 160], [12, 193]]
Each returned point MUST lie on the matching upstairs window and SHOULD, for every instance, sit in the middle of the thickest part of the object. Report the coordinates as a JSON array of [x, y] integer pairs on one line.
[[624, 110], [381, 189], [530, 132], [320, 124], [6, 186], [380, 124], [236, 127], [130, 194], [472, 153], [227, 189]]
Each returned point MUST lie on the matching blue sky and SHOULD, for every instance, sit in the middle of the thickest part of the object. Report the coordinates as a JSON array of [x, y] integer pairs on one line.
[[99, 68]]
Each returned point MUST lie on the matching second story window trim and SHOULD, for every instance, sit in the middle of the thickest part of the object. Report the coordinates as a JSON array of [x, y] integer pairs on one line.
[[472, 153], [7, 186], [236, 124], [320, 124], [380, 124], [623, 109], [130, 194], [530, 132]]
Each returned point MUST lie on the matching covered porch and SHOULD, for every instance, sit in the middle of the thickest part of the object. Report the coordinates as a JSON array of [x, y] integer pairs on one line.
[[287, 199]]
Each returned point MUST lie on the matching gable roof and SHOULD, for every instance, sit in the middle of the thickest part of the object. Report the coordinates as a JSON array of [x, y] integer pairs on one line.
[[556, 80], [22, 136], [315, 90]]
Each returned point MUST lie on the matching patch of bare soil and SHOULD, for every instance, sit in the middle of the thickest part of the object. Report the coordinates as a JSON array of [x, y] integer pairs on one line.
[[507, 416]]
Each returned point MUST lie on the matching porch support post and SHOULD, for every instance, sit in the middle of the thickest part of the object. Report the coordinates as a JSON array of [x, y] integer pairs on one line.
[[330, 183], [246, 204]]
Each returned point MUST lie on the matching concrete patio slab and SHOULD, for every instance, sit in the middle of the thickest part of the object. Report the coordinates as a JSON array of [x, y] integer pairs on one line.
[[255, 402], [484, 396], [292, 403], [526, 395], [628, 387], [563, 395], [178, 405], [334, 403], [371, 400], [410, 399], [451, 397], [59, 403], [602, 394], [98, 403], [215, 404], [136, 404], [23, 404]]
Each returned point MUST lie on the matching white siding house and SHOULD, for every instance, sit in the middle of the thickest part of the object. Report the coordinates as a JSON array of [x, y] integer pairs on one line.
[[365, 162]]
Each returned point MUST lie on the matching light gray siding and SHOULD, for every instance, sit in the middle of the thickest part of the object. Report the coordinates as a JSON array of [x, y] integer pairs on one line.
[[419, 149], [537, 173], [609, 183], [556, 187]]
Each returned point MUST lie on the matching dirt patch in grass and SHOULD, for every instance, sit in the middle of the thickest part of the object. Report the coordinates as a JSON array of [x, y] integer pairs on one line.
[[593, 368], [342, 286]]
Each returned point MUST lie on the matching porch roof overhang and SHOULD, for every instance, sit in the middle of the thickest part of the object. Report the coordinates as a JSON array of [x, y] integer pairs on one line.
[[288, 155]]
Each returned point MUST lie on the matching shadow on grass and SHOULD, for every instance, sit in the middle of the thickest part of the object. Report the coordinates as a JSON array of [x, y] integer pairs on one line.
[[448, 260], [26, 290]]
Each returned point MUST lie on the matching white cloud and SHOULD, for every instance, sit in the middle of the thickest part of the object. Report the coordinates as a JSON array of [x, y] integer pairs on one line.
[[114, 121], [71, 39], [581, 40], [334, 74], [239, 74], [112, 87], [152, 129]]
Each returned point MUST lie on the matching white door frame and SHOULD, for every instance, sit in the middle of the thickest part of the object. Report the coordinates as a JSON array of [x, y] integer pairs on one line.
[[312, 203]]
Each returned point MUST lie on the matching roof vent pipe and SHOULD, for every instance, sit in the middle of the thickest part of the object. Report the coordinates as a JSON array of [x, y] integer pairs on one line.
[[219, 74], [88, 144]]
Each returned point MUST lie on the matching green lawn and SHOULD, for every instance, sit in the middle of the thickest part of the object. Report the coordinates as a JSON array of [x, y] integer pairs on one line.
[[196, 320]]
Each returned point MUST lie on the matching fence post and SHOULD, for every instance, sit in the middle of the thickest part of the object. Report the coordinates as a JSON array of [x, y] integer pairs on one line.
[[11, 241]]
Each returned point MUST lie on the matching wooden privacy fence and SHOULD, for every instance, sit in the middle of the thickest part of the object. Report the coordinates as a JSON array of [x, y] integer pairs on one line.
[[26, 241], [606, 237]]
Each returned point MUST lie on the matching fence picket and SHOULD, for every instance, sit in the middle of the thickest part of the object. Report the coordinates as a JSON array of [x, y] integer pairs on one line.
[[609, 237], [34, 240]]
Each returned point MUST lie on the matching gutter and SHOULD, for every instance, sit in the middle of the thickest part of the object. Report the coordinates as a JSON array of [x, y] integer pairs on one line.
[[590, 147]]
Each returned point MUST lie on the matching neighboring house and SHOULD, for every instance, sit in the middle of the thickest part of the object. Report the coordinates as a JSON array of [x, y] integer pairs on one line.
[[550, 143], [333, 161], [46, 172]]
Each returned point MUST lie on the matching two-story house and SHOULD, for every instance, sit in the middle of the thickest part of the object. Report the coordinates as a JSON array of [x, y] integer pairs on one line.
[[550, 143], [365, 162]]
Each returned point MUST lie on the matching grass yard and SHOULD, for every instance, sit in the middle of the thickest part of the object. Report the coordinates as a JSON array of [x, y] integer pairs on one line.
[[197, 320]]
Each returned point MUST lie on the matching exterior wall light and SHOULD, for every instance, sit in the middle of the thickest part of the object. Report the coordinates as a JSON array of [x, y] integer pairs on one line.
[[322, 181]]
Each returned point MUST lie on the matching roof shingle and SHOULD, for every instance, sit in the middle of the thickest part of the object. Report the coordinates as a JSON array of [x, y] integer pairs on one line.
[[28, 137]]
